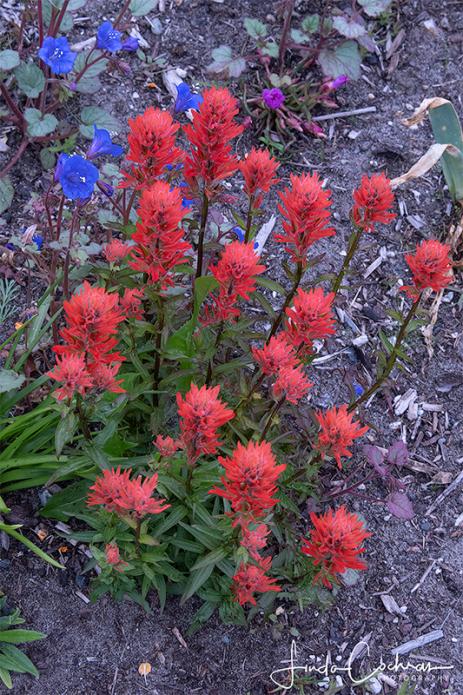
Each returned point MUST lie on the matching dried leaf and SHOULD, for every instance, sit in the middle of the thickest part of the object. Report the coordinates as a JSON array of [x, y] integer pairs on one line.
[[391, 605], [425, 163]]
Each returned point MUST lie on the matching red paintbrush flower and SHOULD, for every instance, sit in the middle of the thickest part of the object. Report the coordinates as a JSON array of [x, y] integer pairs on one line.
[[137, 499], [113, 557], [116, 251], [73, 374], [372, 202], [334, 544], [310, 318], [210, 159], [338, 431], [104, 377], [152, 141], [249, 480], [305, 207], [167, 446], [159, 244], [222, 307], [275, 355], [237, 269], [254, 539], [431, 267], [92, 317], [291, 384], [250, 579], [131, 303], [115, 492], [201, 413], [258, 169]]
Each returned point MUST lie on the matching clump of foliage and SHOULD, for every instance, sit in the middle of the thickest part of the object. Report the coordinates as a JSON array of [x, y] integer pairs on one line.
[[177, 379], [12, 659]]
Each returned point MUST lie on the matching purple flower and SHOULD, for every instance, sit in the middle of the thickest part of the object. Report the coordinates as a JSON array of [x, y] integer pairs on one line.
[[101, 144], [108, 38], [106, 188], [336, 83], [130, 44], [77, 177], [186, 99], [57, 54], [273, 98]]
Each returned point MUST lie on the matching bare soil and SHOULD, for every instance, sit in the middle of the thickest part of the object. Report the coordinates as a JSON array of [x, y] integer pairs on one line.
[[96, 649]]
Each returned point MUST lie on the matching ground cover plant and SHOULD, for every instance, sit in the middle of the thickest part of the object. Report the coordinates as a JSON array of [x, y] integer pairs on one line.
[[170, 400]]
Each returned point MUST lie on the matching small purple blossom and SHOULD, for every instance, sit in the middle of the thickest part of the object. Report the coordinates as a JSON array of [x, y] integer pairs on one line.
[[108, 38], [106, 188], [57, 54], [339, 82], [102, 144], [130, 44], [273, 98], [186, 99]]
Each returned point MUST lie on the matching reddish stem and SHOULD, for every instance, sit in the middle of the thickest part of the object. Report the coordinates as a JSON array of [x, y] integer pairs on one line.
[[22, 147]]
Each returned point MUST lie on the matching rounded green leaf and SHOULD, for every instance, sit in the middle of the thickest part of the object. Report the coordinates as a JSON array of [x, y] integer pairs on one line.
[[9, 59], [141, 7], [30, 79], [39, 124], [10, 380], [93, 115], [344, 60], [6, 194]]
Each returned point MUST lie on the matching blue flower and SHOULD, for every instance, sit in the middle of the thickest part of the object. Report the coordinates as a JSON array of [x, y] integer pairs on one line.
[[101, 144], [59, 166], [108, 38], [130, 44], [77, 177], [38, 241], [186, 99], [240, 236], [357, 388], [57, 54], [187, 203]]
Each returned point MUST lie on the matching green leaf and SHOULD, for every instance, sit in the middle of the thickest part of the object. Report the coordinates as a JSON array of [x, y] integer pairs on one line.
[[65, 431], [196, 580], [6, 193], [9, 59], [299, 37], [311, 23], [73, 4], [67, 21], [39, 124], [255, 28], [224, 61], [344, 60], [29, 544], [139, 8], [30, 79], [20, 661], [446, 128], [212, 558], [348, 27], [89, 82], [374, 8], [93, 115], [9, 380], [20, 636], [47, 158], [6, 678], [270, 49]]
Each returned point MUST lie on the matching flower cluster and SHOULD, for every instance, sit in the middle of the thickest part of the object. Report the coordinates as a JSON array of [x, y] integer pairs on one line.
[[116, 492], [249, 484], [310, 318], [210, 159], [431, 267], [258, 169], [305, 208], [159, 244], [335, 544], [86, 360], [372, 202], [337, 432]]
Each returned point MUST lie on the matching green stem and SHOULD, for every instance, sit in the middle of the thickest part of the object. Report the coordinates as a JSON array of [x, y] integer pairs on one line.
[[392, 358], [288, 300], [202, 229], [302, 471], [210, 366], [354, 242], [137, 536], [157, 361], [83, 421], [271, 417], [252, 390], [249, 220]]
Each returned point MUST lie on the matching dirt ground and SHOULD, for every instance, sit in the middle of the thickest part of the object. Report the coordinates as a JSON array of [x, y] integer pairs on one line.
[[96, 649]]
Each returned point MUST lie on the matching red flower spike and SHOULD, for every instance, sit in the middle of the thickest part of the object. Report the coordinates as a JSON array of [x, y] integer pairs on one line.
[[113, 557], [237, 269], [72, 372], [305, 207], [222, 308], [372, 202], [92, 316], [254, 539], [258, 170], [131, 303], [201, 413], [213, 126], [431, 267], [116, 251], [291, 384], [166, 445], [334, 544], [338, 431], [275, 355], [250, 579], [159, 244], [116, 492], [152, 141], [104, 377], [250, 480], [310, 318]]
